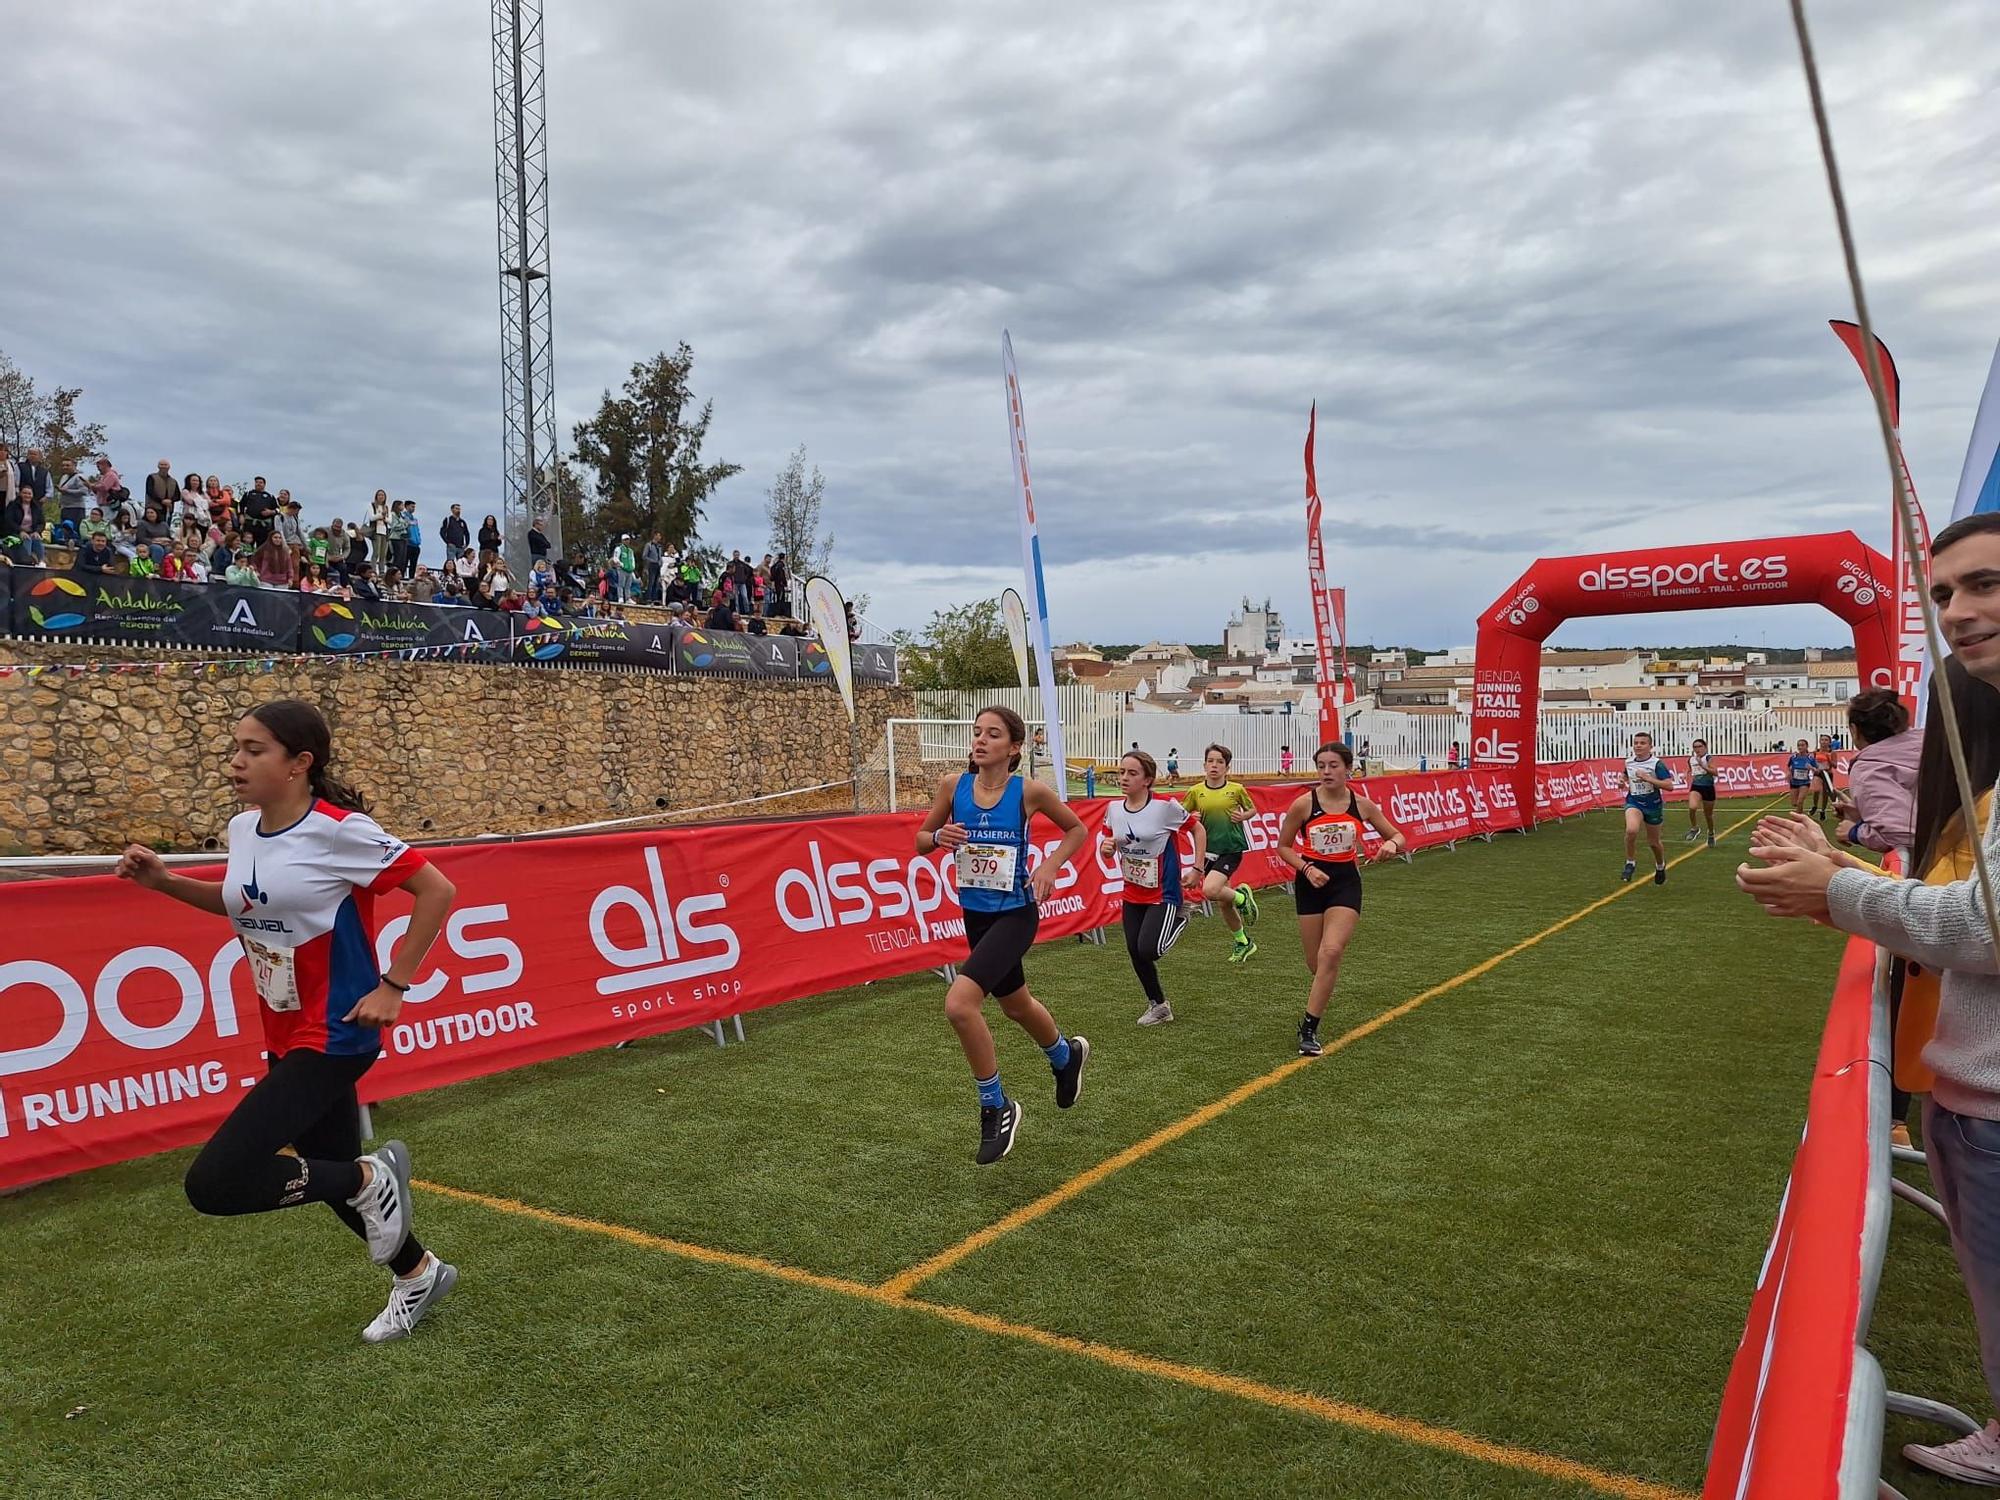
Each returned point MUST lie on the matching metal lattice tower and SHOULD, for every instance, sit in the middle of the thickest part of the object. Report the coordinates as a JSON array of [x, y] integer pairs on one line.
[[520, 136]]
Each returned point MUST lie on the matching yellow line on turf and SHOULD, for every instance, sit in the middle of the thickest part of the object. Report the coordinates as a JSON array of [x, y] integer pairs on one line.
[[730, 1258], [904, 1282], [1301, 1403]]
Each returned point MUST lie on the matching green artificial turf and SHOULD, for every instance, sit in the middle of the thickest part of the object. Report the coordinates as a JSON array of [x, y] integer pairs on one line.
[[1530, 1210]]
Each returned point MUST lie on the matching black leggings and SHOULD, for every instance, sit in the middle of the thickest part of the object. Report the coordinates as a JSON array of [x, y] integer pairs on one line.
[[1149, 932], [306, 1102]]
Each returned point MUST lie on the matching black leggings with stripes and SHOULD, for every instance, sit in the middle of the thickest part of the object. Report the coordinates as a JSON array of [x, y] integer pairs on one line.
[[1149, 932], [307, 1102]]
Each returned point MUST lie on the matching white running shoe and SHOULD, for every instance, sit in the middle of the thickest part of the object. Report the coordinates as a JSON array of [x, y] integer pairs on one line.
[[1974, 1459], [384, 1204], [409, 1300], [1157, 1015]]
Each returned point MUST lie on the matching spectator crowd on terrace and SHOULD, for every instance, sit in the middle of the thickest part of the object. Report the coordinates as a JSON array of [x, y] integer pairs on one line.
[[197, 529]]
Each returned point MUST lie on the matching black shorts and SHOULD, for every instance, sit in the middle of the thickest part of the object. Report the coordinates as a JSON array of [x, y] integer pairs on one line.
[[999, 940], [1222, 864], [1343, 888], [1696, 789]]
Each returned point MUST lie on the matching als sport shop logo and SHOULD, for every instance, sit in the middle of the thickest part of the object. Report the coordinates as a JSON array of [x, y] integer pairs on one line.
[[334, 638], [60, 619], [674, 943], [1642, 577]]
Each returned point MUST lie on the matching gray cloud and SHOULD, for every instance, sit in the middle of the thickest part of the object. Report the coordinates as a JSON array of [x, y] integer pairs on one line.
[[1557, 275]]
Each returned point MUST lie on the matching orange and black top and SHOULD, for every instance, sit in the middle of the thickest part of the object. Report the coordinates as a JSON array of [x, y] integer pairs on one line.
[[1332, 838]]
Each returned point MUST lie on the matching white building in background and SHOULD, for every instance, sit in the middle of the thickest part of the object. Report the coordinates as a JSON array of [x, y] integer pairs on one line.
[[1254, 633], [1833, 681], [1591, 669]]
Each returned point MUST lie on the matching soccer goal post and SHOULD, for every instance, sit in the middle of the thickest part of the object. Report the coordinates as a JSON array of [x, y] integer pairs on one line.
[[916, 752]]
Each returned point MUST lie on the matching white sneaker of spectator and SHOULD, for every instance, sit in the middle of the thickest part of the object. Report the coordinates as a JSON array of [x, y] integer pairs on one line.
[[1974, 1459]]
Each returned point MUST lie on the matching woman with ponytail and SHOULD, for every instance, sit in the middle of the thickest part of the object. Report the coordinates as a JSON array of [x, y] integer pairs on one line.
[[305, 864], [982, 817]]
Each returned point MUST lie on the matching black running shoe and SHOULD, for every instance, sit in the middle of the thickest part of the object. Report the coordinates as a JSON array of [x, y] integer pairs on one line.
[[1659, 874], [1069, 1077], [1309, 1039], [997, 1125]]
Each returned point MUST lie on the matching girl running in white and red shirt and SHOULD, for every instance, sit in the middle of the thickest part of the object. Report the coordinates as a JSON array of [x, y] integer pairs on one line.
[[305, 865], [1142, 832]]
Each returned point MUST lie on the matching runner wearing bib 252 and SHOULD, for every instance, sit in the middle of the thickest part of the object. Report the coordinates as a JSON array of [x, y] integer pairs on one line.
[[1142, 843], [1323, 839], [981, 816]]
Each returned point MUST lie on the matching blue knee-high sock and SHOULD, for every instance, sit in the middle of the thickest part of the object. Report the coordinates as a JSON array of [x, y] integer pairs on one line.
[[990, 1094], [1058, 1053]]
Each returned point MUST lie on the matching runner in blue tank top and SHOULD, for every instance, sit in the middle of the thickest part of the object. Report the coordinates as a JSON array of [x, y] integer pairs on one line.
[[982, 816], [1647, 780]]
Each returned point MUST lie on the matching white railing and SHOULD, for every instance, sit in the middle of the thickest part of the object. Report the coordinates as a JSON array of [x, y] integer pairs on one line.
[[1099, 727], [1094, 722], [1407, 740]]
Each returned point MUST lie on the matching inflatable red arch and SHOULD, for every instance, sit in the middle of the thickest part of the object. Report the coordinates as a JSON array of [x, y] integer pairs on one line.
[[1836, 569]]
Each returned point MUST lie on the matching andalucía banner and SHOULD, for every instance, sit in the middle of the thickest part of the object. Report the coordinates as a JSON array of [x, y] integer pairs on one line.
[[1913, 665], [1037, 597], [1329, 707], [1979, 480]]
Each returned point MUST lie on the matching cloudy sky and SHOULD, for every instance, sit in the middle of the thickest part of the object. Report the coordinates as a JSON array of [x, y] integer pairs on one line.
[[1556, 271]]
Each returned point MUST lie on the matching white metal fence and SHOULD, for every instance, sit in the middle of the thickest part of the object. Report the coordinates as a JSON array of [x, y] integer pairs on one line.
[[1101, 728], [1093, 722], [1407, 740]]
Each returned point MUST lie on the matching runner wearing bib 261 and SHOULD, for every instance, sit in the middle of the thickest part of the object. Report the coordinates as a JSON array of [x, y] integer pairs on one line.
[[1142, 842], [1322, 839], [1701, 792], [1647, 778], [982, 815]]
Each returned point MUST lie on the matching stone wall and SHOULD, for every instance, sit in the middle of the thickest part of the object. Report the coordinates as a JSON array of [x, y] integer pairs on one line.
[[89, 763]]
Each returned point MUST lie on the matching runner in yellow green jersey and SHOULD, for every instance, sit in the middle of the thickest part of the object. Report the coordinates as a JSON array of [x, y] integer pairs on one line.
[[1224, 807]]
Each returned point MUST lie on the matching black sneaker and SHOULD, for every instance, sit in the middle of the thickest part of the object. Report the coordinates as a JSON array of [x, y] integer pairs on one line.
[[1309, 1039], [1069, 1077], [1659, 874], [997, 1125]]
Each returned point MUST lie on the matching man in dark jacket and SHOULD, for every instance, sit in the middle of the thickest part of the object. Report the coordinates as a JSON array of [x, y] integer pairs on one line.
[[455, 534], [97, 556], [260, 511]]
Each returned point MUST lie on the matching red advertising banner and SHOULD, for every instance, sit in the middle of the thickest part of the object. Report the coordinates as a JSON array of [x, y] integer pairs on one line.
[[128, 1023], [1783, 1427], [1322, 601]]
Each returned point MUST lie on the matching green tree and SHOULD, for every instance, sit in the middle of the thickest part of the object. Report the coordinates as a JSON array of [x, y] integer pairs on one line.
[[964, 647], [792, 506], [645, 448], [29, 419]]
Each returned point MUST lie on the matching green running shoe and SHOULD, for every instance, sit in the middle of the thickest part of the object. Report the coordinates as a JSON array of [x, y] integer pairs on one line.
[[1246, 902], [1241, 947]]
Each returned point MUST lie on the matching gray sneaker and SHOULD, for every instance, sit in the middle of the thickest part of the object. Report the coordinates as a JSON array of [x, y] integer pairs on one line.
[[384, 1204], [1157, 1015], [410, 1300]]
